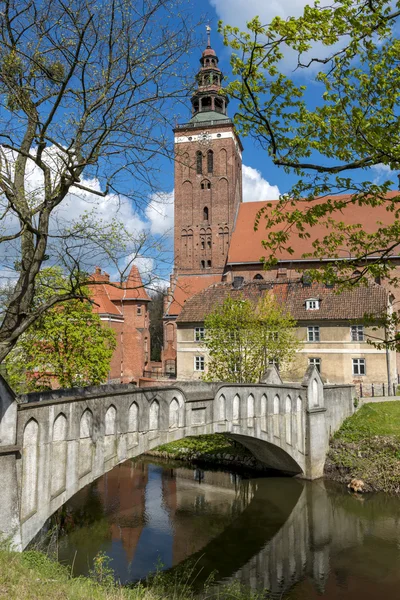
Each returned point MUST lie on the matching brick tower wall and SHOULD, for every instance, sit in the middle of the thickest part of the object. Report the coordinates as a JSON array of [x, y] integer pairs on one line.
[[216, 195]]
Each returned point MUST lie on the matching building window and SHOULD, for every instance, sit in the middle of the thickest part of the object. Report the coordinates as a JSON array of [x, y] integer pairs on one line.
[[199, 163], [312, 304], [358, 366], [209, 264], [258, 277], [357, 333], [313, 334], [199, 363], [205, 213], [139, 309], [210, 161], [203, 264], [199, 334], [316, 362]]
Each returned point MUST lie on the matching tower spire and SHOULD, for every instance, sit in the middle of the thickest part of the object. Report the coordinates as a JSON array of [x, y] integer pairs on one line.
[[208, 104]]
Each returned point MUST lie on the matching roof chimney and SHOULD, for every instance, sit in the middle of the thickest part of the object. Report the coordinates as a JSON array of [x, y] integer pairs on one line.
[[97, 271], [237, 283]]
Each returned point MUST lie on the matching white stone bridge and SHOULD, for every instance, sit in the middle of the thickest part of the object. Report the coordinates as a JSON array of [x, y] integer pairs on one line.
[[53, 444]]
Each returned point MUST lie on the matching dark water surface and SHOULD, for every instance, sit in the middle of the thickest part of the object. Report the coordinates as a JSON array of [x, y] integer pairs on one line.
[[304, 540]]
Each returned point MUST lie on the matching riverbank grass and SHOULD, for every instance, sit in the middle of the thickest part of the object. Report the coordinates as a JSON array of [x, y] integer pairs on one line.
[[367, 447], [33, 575]]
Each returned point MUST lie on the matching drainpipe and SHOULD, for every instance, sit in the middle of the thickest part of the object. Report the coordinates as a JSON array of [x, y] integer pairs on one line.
[[389, 378]]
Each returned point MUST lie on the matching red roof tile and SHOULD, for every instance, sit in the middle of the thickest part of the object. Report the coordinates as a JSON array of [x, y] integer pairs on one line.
[[185, 287], [246, 246], [351, 304], [106, 292]]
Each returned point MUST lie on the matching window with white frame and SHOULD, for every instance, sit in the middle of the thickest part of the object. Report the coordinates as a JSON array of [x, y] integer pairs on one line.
[[199, 334], [312, 304], [358, 366], [199, 363], [316, 362], [357, 333], [313, 334]]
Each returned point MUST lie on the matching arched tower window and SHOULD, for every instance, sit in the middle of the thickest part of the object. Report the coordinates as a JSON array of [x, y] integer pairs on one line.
[[258, 276], [199, 163], [210, 161], [205, 213]]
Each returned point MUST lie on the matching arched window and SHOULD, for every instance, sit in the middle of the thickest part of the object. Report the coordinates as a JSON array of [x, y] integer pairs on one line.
[[221, 408], [59, 455], [258, 276], [264, 402], [111, 421], [236, 409], [209, 264], [210, 161], [154, 415], [199, 163], [288, 419], [203, 264], [133, 417], [276, 416], [30, 467], [250, 411], [205, 213], [174, 414]]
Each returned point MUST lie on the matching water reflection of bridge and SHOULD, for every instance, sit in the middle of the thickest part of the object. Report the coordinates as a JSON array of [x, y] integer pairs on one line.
[[266, 533]]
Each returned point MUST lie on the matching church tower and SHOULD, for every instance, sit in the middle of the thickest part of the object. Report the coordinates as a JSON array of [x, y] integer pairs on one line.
[[208, 176]]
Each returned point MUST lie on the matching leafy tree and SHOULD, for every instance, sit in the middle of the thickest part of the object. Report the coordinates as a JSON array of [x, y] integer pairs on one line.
[[243, 339], [329, 121], [85, 90], [67, 343]]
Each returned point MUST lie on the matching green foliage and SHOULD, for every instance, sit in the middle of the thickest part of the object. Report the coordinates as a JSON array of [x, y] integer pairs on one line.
[[204, 445], [242, 339], [68, 343], [102, 572], [367, 447], [327, 122]]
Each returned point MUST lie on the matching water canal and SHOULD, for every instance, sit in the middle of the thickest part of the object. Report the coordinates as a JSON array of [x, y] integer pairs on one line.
[[304, 540]]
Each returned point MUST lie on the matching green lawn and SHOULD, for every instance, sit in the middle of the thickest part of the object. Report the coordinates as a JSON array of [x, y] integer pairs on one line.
[[372, 419]]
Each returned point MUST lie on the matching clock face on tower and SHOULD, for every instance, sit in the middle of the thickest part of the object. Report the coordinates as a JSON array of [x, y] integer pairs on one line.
[[204, 138]]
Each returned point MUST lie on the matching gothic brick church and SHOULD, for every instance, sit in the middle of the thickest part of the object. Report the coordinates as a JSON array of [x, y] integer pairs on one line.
[[214, 237]]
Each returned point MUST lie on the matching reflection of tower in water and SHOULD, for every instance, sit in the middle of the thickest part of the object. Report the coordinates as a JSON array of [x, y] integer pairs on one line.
[[122, 492]]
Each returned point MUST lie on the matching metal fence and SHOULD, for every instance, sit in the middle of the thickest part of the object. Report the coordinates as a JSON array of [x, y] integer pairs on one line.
[[373, 390]]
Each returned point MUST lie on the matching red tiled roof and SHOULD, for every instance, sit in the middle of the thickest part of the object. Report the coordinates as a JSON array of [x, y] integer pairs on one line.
[[185, 287], [106, 292], [246, 246], [349, 305]]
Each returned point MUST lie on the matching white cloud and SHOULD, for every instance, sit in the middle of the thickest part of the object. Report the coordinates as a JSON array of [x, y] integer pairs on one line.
[[238, 12], [256, 188], [160, 213]]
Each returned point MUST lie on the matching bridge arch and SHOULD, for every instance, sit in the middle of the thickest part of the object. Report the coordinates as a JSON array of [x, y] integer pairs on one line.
[[270, 454]]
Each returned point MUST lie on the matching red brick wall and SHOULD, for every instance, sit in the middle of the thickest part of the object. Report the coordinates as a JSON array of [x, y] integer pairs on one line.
[[197, 238]]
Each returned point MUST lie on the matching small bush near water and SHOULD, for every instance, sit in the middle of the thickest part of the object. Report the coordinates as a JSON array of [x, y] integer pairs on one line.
[[367, 447]]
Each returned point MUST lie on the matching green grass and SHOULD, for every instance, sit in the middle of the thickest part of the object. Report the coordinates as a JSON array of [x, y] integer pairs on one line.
[[206, 446], [34, 576], [367, 447], [382, 419]]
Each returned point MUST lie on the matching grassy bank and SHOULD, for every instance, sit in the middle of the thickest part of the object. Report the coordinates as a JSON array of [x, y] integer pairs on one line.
[[367, 447], [33, 576], [214, 449]]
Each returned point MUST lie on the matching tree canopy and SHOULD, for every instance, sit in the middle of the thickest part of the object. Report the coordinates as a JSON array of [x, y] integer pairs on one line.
[[243, 340], [66, 345], [86, 91], [320, 93]]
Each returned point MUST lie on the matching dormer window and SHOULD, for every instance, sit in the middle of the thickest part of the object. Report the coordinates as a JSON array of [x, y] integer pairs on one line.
[[312, 304]]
